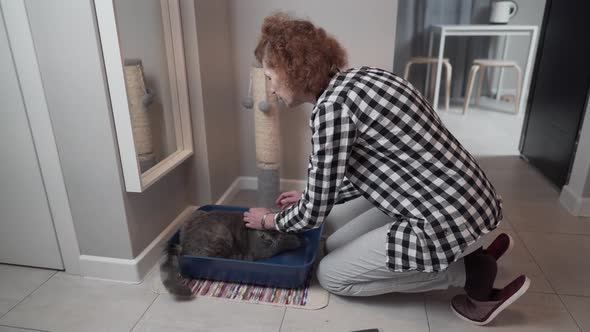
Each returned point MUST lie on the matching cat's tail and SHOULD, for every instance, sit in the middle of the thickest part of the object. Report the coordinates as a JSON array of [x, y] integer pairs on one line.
[[170, 272]]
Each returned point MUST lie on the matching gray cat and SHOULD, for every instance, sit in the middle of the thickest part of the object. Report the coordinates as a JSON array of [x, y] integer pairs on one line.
[[220, 234]]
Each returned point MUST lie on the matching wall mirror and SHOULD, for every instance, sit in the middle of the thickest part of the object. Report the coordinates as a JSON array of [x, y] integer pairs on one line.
[[144, 62]]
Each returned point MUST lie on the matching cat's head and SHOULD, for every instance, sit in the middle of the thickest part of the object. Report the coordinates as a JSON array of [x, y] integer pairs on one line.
[[270, 243]]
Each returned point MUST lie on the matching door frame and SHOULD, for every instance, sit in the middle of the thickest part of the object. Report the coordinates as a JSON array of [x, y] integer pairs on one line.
[[572, 193], [31, 85], [533, 81], [531, 96]]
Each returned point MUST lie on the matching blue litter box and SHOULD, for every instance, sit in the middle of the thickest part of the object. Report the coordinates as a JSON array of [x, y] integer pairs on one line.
[[289, 269]]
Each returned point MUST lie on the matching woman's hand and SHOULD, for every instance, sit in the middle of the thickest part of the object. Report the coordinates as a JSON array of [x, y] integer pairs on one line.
[[288, 198], [253, 218]]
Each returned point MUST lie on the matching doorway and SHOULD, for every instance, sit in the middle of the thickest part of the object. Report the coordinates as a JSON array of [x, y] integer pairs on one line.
[[491, 127], [559, 92]]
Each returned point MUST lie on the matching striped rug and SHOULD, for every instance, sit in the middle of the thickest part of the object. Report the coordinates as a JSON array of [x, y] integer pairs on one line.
[[250, 293], [310, 297]]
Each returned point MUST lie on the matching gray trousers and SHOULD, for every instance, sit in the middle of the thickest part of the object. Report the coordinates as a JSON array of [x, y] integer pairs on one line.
[[355, 264]]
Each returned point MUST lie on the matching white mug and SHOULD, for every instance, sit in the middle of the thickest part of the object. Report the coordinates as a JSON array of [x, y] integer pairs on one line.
[[502, 11]]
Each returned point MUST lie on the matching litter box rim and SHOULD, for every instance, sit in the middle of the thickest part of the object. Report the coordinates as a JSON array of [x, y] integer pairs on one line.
[[213, 207]]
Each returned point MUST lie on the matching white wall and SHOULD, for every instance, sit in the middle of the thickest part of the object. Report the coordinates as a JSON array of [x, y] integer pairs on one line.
[[218, 84], [210, 76], [198, 179], [575, 195], [67, 50], [530, 12], [364, 28], [109, 222], [579, 181]]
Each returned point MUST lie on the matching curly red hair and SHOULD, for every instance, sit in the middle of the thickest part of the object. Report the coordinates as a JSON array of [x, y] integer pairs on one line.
[[305, 57]]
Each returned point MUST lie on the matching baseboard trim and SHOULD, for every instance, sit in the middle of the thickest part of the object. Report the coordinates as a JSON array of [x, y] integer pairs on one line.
[[131, 271], [251, 183], [573, 203], [230, 192]]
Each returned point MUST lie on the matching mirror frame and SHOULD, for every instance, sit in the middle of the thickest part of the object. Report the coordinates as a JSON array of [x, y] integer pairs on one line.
[[135, 180]]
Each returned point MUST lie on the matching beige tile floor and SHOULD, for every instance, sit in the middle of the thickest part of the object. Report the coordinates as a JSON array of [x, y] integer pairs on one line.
[[489, 129], [551, 247]]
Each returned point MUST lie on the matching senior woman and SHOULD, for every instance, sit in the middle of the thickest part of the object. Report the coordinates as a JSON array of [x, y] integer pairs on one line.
[[409, 205]]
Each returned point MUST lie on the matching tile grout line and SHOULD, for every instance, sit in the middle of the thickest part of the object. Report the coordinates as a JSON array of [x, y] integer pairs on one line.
[[426, 310], [555, 233], [574, 295], [568, 311], [534, 260], [283, 319], [28, 295], [143, 314], [23, 328], [548, 281], [548, 292]]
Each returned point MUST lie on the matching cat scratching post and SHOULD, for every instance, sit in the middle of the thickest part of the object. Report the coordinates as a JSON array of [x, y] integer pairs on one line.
[[140, 122], [266, 127]]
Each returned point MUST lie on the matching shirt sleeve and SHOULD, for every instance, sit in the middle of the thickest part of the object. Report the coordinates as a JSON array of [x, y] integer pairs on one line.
[[333, 135], [346, 192]]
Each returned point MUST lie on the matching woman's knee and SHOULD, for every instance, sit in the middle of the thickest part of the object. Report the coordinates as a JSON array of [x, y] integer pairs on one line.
[[329, 278]]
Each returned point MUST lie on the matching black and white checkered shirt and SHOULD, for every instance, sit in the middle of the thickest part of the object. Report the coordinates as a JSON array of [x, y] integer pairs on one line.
[[374, 134]]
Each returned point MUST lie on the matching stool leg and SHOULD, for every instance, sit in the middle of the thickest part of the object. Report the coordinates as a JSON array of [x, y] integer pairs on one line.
[[407, 70], [472, 74], [518, 89], [449, 69], [482, 74], [432, 81]]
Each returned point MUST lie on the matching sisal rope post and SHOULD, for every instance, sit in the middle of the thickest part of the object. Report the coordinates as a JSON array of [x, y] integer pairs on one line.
[[140, 122], [266, 127]]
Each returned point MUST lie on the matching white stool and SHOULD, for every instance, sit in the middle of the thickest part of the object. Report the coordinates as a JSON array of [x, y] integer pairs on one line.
[[429, 60], [483, 64]]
